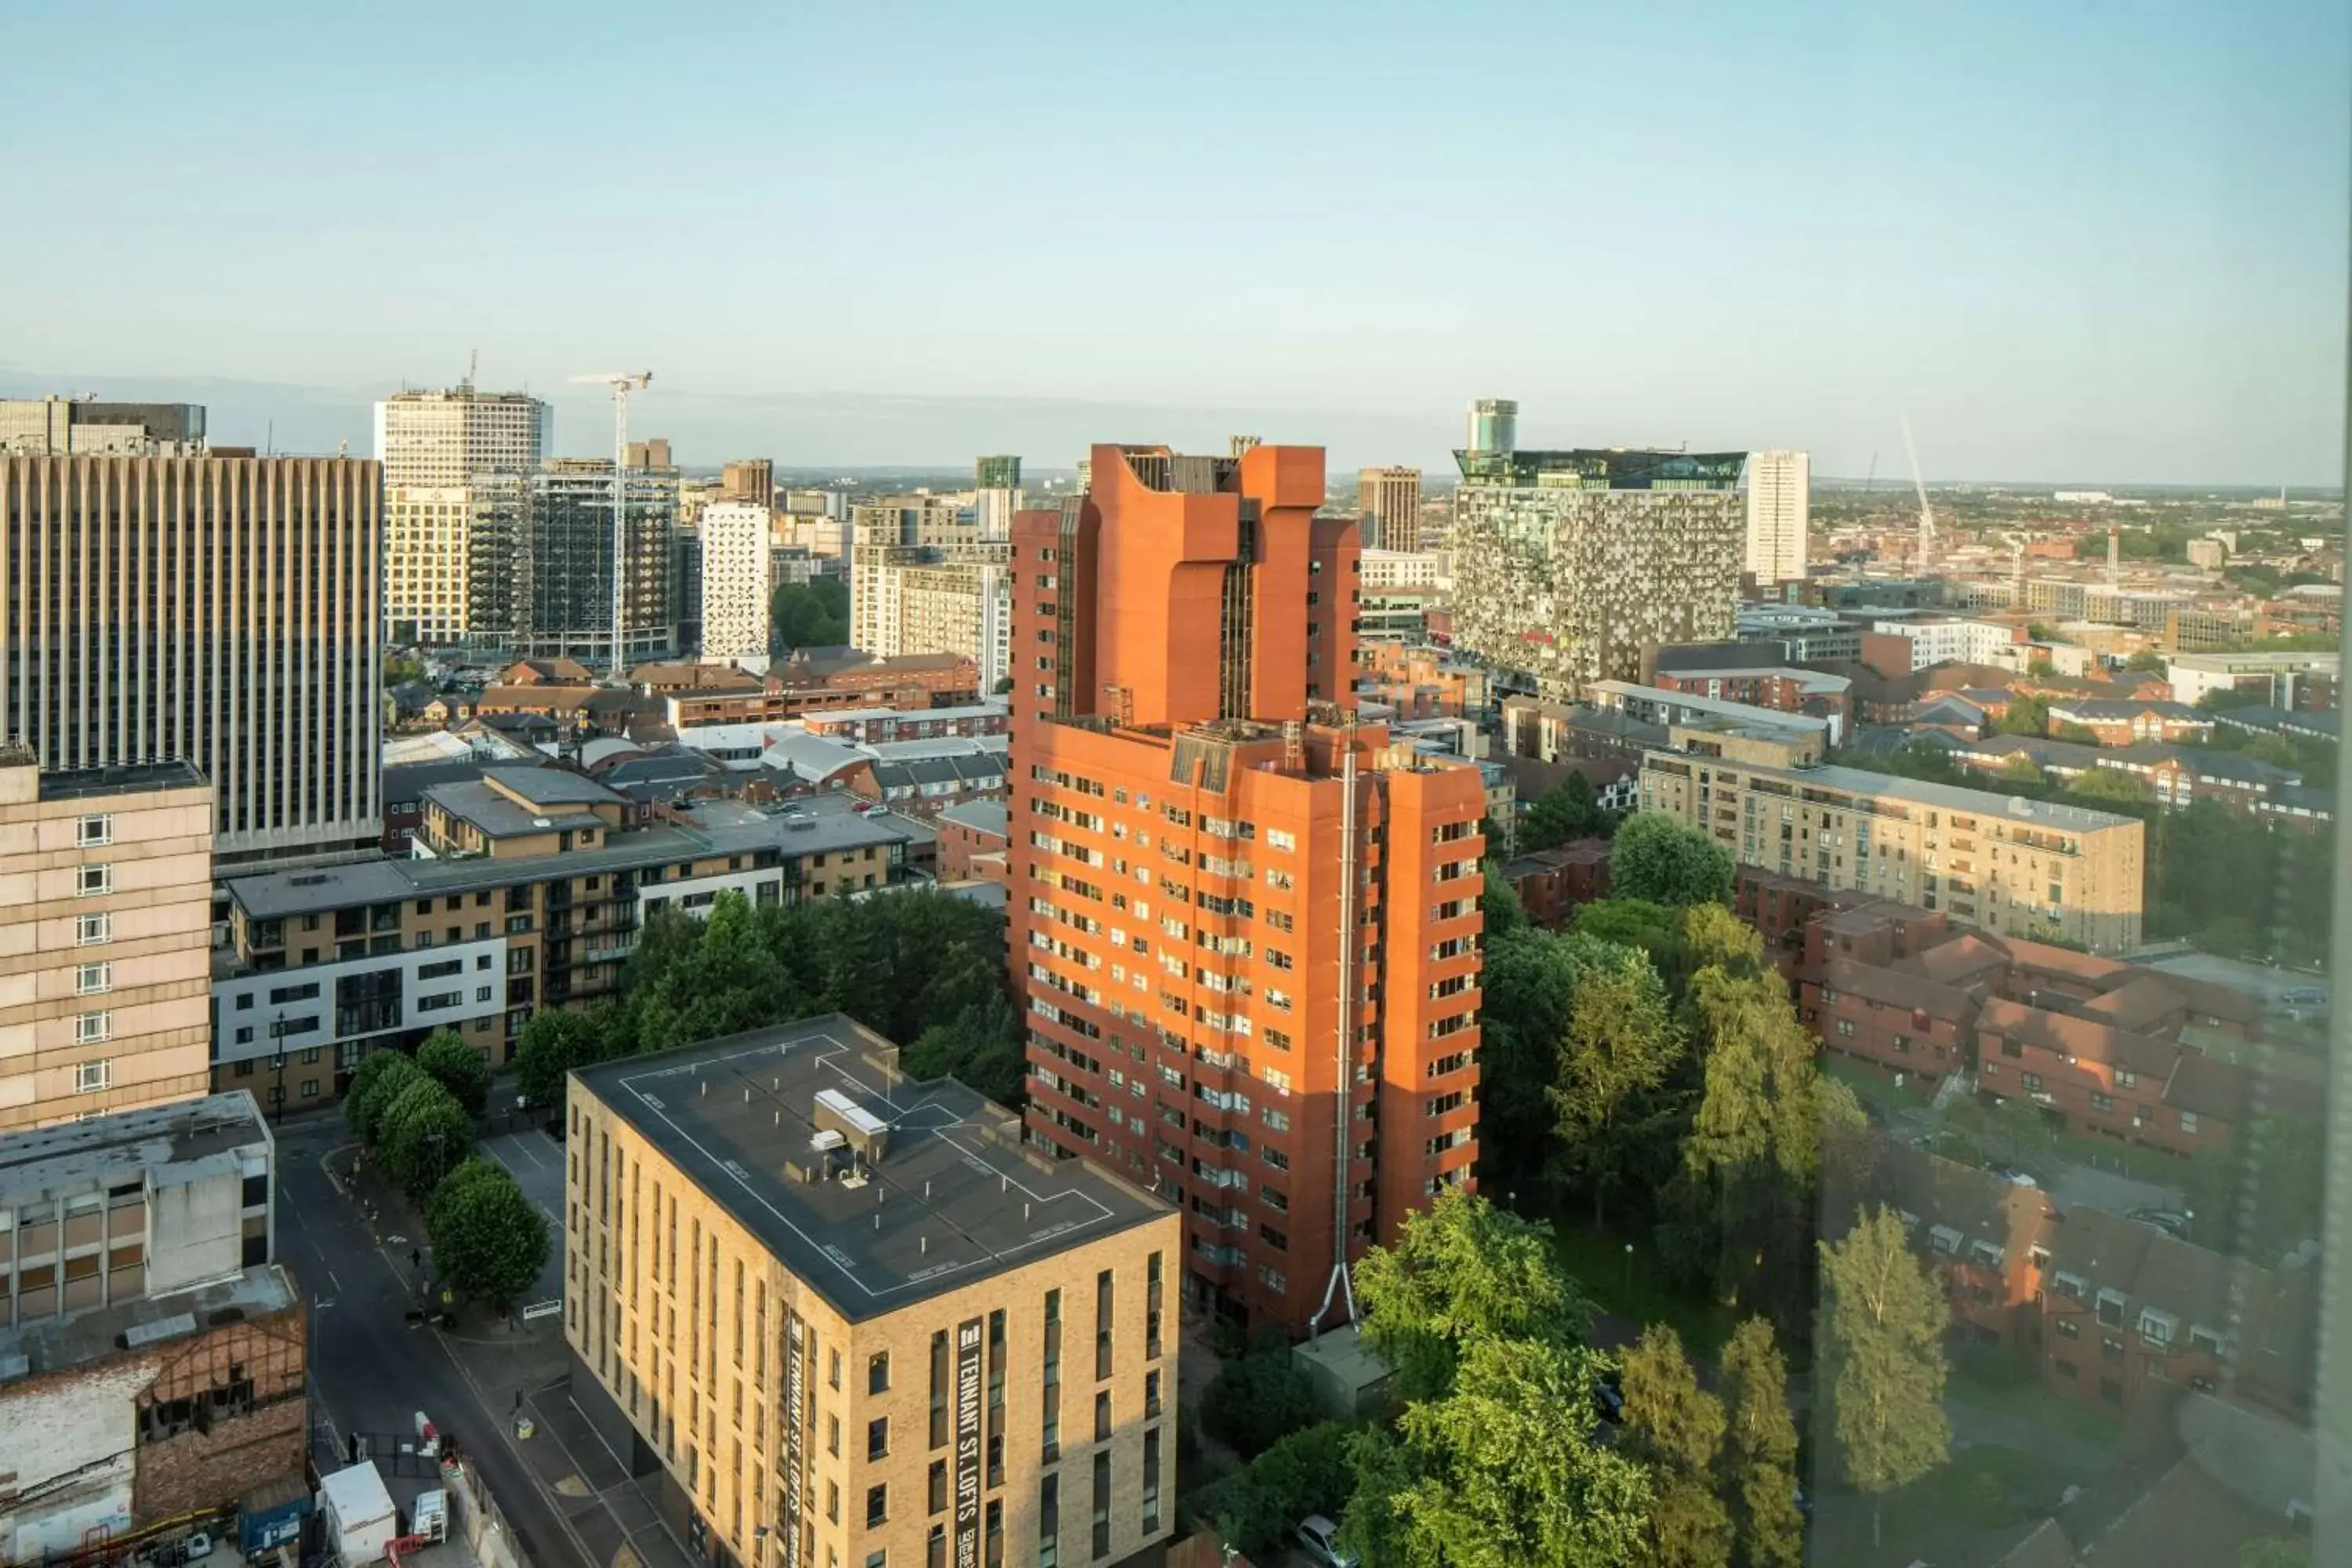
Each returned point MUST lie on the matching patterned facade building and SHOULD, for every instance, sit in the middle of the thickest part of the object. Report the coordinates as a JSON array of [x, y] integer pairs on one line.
[[1567, 565]]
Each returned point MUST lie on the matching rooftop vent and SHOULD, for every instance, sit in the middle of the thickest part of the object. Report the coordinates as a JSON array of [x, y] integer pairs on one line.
[[144, 1334], [868, 1134]]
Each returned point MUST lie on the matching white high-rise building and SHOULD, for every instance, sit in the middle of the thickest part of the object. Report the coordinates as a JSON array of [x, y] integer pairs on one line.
[[435, 448], [1779, 503], [735, 580]]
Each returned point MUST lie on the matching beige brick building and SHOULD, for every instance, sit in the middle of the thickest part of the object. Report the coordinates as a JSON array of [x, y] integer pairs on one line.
[[2013, 866], [105, 899], [855, 1321]]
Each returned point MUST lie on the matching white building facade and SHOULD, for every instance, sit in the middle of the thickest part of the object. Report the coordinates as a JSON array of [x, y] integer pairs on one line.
[[736, 577], [1779, 500]]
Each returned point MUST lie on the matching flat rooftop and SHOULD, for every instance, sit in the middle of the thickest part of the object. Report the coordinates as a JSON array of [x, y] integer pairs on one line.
[[75, 1155], [956, 1198], [1950, 797], [134, 778], [52, 1344]]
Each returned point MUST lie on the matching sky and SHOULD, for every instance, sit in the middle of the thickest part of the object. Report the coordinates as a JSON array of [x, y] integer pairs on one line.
[[2092, 240]]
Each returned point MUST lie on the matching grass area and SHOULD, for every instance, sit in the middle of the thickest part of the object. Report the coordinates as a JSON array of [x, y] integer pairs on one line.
[[1872, 1087], [2026, 1399], [1633, 1289], [1982, 1488]]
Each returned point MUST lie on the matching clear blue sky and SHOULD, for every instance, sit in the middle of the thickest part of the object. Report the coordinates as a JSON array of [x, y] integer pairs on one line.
[[2073, 240]]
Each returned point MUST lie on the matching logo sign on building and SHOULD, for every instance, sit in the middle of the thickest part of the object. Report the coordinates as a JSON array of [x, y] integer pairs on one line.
[[796, 1367], [967, 1445]]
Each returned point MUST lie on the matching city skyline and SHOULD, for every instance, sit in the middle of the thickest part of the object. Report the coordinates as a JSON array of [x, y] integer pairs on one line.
[[2065, 249]]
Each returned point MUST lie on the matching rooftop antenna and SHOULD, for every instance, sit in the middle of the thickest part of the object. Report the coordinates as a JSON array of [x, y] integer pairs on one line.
[[1926, 513], [473, 364], [622, 382]]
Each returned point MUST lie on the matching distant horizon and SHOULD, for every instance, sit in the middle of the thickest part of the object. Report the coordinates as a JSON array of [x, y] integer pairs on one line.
[[310, 420]]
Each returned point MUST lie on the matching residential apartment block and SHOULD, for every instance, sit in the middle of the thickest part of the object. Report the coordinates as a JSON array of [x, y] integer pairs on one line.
[[856, 1320], [534, 884], [1780, 508], [217, 610], [2124, 722], [152, 1352], [1568, 564], [105, 932], [2010, 866], [934, 599], [1246, 928], [736, 580]]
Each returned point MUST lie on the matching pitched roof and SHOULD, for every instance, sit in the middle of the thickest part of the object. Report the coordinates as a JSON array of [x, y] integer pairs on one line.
[[1914, 993], [2208, 1086], [2123, 709], [1962, 959], [2148, 1267], [1978, 1205], [2084, 1039]]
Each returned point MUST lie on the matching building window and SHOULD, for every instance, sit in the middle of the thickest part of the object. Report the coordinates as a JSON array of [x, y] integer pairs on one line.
[[89, 1078], [877, 1505], [878, 1373], [92, 1027], [1102, 1416], [2188, 1122], [92, 978], [96, 879], [878, 1438], [2102, 1103], [95, 830], [92, 929]]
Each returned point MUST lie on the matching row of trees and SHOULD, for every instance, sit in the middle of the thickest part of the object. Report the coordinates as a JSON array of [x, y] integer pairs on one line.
[[1492, 1451], [416, 1116], [919, 965], [814, 613], [1649, 1062]]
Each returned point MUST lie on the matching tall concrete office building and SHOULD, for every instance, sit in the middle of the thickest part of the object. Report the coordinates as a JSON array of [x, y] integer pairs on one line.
[[1780, 502], [1493, 425], [218, 611], [751, 480], [444, 438], [1244, 926], [105, 939], [57, 426], [735, 587], [1568, 564], [444, 456], [1388, 504], [996, 497]]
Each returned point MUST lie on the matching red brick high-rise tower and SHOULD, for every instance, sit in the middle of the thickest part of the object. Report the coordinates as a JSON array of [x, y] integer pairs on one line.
[[1244, 927]]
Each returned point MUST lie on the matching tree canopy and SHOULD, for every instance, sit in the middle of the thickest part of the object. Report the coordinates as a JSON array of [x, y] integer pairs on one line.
[[1664, 860], [1619, 1046], [1883, 1337], [1461, 1270], [814, 613], [1258, 1398], [1568, 811], [1759, 1450], [423, 1135], [554, 1041], [1677, 1427], [489, 1241], [456, 1067], [376, 1082]]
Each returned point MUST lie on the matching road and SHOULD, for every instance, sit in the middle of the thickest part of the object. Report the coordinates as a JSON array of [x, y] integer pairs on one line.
[[2248, 979], [370, 1371]]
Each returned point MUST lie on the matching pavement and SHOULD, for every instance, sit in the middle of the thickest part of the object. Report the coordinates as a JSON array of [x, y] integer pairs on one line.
[[566, 1500], [2251, 979], [535, 1162], [2084, 1186]]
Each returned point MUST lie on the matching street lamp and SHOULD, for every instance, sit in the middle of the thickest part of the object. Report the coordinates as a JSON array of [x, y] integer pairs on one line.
[[1629, 1268]]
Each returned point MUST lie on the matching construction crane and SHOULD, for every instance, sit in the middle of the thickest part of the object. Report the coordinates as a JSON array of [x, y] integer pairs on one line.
[[1926, 514], [622, 382]]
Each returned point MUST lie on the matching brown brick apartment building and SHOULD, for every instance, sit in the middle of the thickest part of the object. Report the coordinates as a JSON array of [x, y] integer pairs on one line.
[[154, 1351], [971, 841], [1245, 929], [856, 1311]]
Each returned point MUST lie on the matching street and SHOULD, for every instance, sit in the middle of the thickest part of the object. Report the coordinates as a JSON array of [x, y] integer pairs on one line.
[[370, 1371]]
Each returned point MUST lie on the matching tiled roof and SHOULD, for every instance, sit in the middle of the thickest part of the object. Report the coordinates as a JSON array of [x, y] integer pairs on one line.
[[2084, 1039], [1897, 989]]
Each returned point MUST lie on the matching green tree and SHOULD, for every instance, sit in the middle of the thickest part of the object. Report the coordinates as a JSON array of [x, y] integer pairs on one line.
[[2110, 784], [2021, 768], [1568, 810], [2025, 714], [1759, 1450], [2077, 734], [1620, 1048], [2276, 750], [1678, 1428], [488, 1241], [2224, 698], [1529, 982], [727, 982], [1882, 1333], [1499, 907], [2022, 1125], [1004, 686], [424, 1134], [1310, 1471], [981, 1047], [1654, 928], [1714, 938], [456, 1067], [1742, 1209], [554, 1042], [2148, 660], [1460, 1270], [1502, 1472], [1259, 1397], [376, 1082], [1660, 859], [809, 614]]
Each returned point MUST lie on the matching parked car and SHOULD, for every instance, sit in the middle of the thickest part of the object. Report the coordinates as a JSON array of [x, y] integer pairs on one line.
[[1318, 1538], [2172, 1222], [1609, 1398], [2305, 996], [2014, 1176]]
